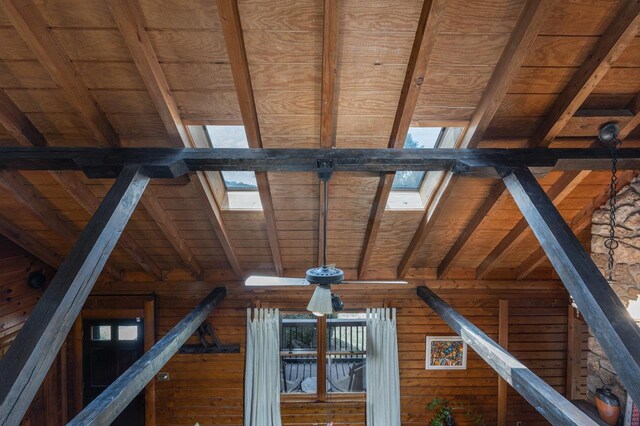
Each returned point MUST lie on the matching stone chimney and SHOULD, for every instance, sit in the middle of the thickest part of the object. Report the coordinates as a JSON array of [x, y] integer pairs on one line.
[[625, 278]]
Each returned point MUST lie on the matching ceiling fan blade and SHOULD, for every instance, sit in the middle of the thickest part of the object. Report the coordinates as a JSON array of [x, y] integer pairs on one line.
[[374, 282], [262, 281]]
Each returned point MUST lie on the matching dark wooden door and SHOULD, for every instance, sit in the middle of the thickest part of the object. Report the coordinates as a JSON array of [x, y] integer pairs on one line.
[[110, 347]]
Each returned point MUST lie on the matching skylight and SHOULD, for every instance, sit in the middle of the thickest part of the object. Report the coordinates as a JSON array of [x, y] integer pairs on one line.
[[232, 137], [417, 138]]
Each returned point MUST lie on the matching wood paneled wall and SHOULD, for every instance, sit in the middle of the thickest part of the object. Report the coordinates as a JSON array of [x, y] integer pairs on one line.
[[209, 388]]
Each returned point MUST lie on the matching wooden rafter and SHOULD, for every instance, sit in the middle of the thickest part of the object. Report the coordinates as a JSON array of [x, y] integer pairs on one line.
[[608, 319], [32, 27], [25, 365], [580, 221], [32, 200], [546, 400], [113, 400], [29, 242], [634, 107], [128, 17], [428, 24], [234, 41], [557, 192], [330, 33], [27, 134], [610, 46], [519, 44]]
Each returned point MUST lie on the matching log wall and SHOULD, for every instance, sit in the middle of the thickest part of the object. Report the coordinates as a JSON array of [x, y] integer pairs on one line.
[[209, 388]]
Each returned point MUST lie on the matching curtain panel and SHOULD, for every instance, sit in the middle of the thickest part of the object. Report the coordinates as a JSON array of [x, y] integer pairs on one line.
[[262, 369], [383, 376]]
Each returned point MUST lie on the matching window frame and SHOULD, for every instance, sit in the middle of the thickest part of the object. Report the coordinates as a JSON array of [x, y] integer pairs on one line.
[[321, 352], [418, 187], [227, 188]]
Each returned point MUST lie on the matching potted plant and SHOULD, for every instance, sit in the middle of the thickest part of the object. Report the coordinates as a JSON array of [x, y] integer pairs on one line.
[[443, 410]]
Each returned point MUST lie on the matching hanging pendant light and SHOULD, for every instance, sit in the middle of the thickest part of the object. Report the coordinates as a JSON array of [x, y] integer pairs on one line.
[[608, 136]]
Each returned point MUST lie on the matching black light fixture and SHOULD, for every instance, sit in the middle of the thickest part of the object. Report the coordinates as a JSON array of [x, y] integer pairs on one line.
[[608, 136], [37, 279]]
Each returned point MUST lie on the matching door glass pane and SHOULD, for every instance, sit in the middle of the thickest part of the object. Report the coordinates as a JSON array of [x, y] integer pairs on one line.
[[101, 332], [127, 332]]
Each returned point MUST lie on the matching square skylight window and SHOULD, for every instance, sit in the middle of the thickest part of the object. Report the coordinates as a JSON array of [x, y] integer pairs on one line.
[[232, 137], [417, 138]]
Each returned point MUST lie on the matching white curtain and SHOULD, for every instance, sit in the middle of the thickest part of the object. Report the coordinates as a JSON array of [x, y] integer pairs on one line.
[[262, 370], [383, 377]]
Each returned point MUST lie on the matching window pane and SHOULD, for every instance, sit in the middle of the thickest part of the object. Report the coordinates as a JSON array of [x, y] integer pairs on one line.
[[127, 332], [100, 332], [407, 180], [233, 137], [346, 352], [417, 138], [298, 356], [240, 181]]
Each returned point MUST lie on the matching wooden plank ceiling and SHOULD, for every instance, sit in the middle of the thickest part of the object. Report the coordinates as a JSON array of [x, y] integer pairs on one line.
[[136, 72]]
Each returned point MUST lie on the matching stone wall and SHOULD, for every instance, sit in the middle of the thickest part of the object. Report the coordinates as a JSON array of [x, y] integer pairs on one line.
[[625, 279]]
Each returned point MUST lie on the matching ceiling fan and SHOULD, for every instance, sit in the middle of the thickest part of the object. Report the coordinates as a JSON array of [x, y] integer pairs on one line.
[[323, 301]]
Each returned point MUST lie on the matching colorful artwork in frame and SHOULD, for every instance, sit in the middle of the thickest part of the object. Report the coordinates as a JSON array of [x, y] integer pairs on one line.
[[446, 353]]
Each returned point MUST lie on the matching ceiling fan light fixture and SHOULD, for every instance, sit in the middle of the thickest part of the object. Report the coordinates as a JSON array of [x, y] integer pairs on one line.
[[320, 303]]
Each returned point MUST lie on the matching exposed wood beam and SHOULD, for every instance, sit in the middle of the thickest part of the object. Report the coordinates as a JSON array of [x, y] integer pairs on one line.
[[88, 201], [493, 198], [611, 324], [175, 162], [557, 192], [112, 401], [169, 229], [518, 47], [574, 354], [34, 30], [634, 107], [610, 46], [37, 204], [546, 400], [25, 365], [27, 134], [234, 41], [423, 42], [579, 222], [30, 243], [128, 17], [17, 123], [215, 218], [330, 33]]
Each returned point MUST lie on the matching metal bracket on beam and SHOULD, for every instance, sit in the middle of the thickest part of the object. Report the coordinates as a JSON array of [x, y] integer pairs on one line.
[[209, 343]]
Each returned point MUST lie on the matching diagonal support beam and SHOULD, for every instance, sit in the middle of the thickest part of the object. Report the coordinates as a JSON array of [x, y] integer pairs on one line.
[[423, 42], [579, 222], [518, 47], [234, 41], [546, 400], [105, 408], [25, 365], [556, 193], [128, 17], [615, 40], [607, 317]]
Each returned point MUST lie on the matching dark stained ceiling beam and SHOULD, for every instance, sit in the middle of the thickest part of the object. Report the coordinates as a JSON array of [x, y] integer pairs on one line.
[[34, 30], [612, 43], [128, 17], [515, 52], [234, 41], [423, 42]]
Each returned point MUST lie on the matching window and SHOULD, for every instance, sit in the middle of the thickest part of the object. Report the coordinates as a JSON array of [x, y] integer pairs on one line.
[[100, 333], [411, 190], [233, 190], [339, 339], [127, 332]]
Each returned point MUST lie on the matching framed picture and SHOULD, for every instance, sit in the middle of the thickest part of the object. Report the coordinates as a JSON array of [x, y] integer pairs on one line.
[[446, 353]]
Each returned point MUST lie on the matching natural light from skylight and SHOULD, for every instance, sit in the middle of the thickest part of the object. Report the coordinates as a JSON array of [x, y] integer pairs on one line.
[[417, 137], [232, 137]]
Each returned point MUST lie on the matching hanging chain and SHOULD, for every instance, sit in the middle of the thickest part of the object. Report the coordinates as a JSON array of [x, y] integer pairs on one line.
[[611, 243]]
